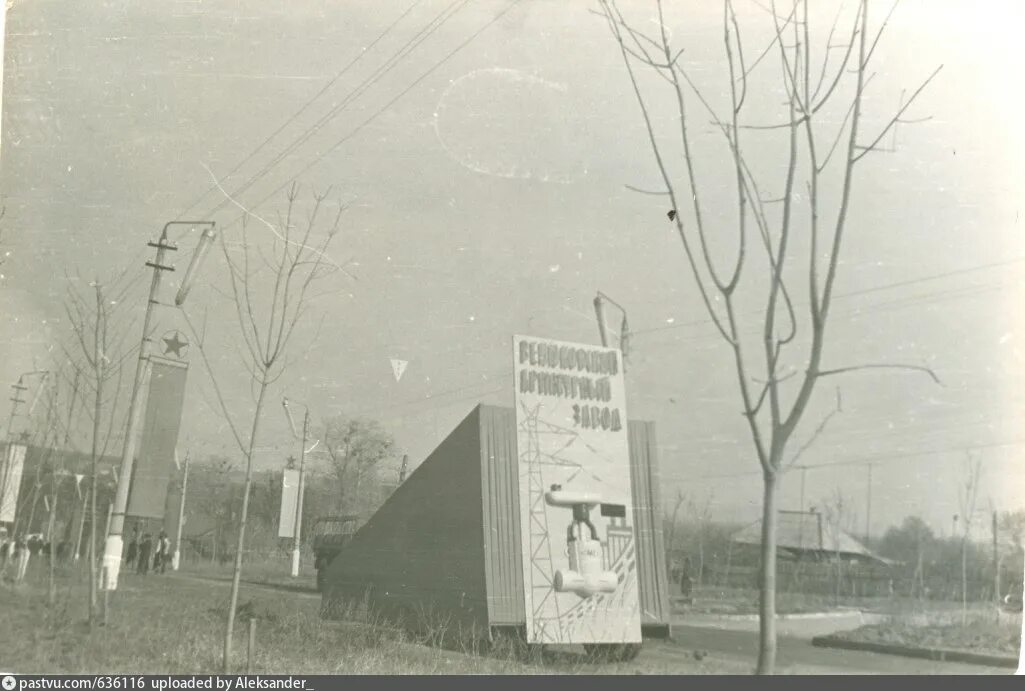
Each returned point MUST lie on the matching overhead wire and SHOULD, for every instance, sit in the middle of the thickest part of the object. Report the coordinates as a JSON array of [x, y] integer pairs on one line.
[[444, 16], [377, 113], [305, 106]]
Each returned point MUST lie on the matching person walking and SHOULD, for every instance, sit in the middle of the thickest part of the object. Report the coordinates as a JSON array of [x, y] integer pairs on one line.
[[133, 547], [22, 555], [145, 548], [163, 553]]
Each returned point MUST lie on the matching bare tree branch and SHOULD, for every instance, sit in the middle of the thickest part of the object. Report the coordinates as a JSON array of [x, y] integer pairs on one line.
[[914, 368]]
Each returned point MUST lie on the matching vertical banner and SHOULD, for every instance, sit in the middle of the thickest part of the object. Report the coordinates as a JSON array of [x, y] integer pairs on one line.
[[578, 546], [155, 465], [10, 480], [289, 500]]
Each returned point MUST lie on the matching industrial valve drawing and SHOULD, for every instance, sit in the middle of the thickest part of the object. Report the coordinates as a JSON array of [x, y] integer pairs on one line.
[[586, 575]]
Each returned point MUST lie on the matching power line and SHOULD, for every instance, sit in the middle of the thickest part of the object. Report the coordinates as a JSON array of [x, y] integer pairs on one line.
[[444, 16], [384, 108], [863, 291], [876, 460], [305, 106]]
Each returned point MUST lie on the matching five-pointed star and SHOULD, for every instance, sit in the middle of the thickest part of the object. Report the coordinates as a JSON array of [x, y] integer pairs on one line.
[[174, 345]]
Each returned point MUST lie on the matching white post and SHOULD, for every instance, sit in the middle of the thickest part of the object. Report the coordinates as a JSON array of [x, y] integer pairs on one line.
[[299, 498], [175, 560]]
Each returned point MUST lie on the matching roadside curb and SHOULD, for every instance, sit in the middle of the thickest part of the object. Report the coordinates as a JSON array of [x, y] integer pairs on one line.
[[798, 616], [936, 654]]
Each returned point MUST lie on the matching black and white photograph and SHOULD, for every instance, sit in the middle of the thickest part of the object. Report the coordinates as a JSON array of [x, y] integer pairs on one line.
[[511, 337]]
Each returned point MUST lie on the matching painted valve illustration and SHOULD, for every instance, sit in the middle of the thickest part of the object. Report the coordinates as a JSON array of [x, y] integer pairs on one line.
[[586, 575]]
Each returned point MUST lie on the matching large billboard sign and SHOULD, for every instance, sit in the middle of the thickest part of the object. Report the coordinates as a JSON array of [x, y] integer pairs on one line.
[[578, 544], [155, 466], [289, 500]]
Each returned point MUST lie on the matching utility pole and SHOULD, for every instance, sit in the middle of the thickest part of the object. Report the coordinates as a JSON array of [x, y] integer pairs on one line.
[[176, 559], [996, 559], [868, 506], [115, 544], [297, 538]]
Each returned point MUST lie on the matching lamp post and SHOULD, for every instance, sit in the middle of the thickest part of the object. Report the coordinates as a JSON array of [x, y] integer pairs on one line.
[[624, 333], [114, 544], [297, 525]]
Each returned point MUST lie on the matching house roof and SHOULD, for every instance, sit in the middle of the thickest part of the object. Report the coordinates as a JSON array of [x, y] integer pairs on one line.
[[800, 531]]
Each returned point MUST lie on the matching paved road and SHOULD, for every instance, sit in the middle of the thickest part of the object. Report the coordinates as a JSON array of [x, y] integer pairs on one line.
[[797, 655]]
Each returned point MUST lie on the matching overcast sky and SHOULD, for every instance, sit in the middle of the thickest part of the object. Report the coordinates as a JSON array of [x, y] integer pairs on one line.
[[489, 198]]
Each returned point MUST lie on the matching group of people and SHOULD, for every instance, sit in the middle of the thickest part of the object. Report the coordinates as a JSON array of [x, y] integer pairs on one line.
[[146, 553], [14, 556]]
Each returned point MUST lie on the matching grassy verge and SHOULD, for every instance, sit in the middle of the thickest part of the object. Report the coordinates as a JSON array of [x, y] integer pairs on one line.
[[982, 634], [168, 624], [273, 573], [710, 600]]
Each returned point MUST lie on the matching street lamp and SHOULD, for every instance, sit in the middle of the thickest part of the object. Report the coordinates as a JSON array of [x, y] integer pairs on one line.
[[205, 240], [624, 333], [297, 526], [113, 545]]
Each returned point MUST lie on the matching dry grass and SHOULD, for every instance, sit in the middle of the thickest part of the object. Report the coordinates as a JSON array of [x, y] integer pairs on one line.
[[981, 633], [712, 600], [174, 625]]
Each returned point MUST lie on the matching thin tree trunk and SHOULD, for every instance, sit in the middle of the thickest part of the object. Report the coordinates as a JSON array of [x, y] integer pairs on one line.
[[51, 581], [98, 368], [767, 585], [701, 553], [964, 580], [237, 574]]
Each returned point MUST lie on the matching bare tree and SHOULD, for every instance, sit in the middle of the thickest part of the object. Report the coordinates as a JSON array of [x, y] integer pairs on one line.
[[270, 289], [701, 515], [807, 212], [354, 449], [966, 499], [59, 469], [836, 512], [98, 340]]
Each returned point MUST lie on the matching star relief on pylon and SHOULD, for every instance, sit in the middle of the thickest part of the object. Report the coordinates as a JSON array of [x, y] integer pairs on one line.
[[175, 345]]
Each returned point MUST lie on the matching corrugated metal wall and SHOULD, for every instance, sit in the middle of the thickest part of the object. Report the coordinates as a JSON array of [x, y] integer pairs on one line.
[[651, 554], [503, 556]]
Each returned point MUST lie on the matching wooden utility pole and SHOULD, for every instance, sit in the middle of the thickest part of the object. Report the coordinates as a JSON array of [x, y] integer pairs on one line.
[[112, 550], [868, 506], [298, 525], [996, 559]]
